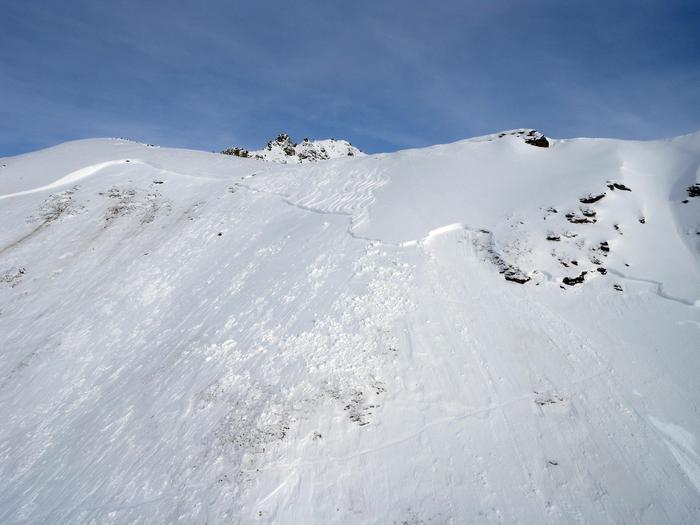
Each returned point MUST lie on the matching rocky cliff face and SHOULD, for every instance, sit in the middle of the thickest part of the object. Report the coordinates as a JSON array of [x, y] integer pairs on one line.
[[284, 150]]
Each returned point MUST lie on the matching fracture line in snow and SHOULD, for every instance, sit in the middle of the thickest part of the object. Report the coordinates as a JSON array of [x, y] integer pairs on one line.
[[681, 444], [442, 230], [659, 289]]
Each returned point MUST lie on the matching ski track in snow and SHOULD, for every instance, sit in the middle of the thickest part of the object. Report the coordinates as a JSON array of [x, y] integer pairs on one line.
[[682, 444]]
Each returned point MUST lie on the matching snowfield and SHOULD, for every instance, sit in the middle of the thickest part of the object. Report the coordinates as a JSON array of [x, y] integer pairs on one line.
[[481, 332]]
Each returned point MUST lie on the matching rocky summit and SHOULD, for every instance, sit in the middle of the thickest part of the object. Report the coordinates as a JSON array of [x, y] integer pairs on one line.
[[284, 150]]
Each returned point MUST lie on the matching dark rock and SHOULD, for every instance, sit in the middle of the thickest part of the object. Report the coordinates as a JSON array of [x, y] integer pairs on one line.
[[515, 276], [571, 281], [530, 136], [617, 186], [694, 190], [284, 142], [601, 270], [642, 220], [552, 237], [509, 272], [544, 399], [588, 212], [540, 142], [617, 287], [577, 219], [590, 199], [236, 152], [604, 247]]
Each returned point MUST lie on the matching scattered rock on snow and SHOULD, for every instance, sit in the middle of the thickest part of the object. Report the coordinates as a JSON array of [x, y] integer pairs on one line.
[[57, 206], [544, 399], [590, 199], [573, 218], [571, 281], [516, 276], [236, 152], [126, 202], [618, 186], [13, 276]]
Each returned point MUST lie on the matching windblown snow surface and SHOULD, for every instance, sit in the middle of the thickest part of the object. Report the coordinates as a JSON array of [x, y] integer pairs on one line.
[[467, 333]]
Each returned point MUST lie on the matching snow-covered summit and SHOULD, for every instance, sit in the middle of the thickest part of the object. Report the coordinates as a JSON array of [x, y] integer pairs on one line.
[[530, 136], [284, 150], [477, 332]]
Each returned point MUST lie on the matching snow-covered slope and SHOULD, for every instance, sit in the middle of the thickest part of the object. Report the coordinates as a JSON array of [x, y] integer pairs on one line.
[[400, 338], [284, 150]]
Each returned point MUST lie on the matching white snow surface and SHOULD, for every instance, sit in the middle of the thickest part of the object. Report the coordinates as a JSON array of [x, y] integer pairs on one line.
[[188, 337]]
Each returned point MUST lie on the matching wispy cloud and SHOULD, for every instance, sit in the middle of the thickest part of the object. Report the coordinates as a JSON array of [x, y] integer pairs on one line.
[[386, 75]]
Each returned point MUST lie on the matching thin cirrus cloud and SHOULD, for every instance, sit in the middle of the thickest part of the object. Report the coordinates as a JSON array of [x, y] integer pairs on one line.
[[385, 75]]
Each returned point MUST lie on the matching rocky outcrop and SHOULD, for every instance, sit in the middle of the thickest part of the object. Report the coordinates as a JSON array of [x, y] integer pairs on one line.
[[590, 198], [236, 152], [572, 281], [530, 136], [284, 150]]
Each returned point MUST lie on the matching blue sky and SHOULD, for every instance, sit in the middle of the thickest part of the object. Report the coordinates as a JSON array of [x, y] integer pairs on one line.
[[386, 75]]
